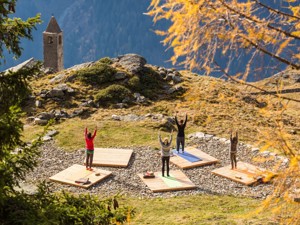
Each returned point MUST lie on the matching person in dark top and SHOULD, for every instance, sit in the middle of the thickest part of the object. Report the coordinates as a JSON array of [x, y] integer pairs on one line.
[[180, 135], [233, 149]]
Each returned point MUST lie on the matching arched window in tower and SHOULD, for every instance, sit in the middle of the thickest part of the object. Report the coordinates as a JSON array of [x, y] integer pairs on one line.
[[59, 39], [50, 40]]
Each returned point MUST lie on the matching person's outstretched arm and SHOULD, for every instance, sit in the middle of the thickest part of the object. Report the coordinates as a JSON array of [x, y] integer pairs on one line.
[[171, 138], [176, 121], [185, 119], [85, 132], [95, 132], [159, 138]]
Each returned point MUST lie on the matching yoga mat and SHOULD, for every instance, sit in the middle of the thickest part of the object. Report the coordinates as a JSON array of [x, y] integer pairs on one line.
[[188, 156], [170, 181]]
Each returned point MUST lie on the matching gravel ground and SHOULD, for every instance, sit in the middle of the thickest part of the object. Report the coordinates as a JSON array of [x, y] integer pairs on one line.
[[126, 181]]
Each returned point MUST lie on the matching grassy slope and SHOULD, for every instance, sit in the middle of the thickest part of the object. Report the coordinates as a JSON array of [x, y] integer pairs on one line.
[[214, 106], [199, 209]]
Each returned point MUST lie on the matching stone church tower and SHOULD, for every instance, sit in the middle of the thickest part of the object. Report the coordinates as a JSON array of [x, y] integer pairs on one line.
[[53, 46]]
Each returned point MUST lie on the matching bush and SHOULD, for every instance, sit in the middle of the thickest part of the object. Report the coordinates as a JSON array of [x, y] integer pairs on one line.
[[151, 83], [98, 74], [106, 60], [63, 208], [134, 83], [112, 94]]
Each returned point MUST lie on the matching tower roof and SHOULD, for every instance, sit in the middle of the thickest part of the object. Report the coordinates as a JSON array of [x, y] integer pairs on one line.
[[53, 26]]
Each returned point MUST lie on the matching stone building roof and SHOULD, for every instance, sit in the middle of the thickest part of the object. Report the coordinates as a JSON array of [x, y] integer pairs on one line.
[[53, 26]]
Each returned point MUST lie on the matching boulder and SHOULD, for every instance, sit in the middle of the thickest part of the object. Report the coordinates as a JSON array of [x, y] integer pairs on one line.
[[30, 119], [45, 116], [132, 62], [26, 64], [57, 78], [148, 115], [158, 116], [120, 76], [196, 135], [169, 77], [47, 138], [131, 117], [174, 89], [223, 140], [141, 99], [255, 150], [81, 66], [52, 133], [208, 136], [136, 95], [41, 122], [38, 103], [77, 112], [55, 93], [65, 88], [177, 79], [48, 70], [162, 73], [60, 114], [121, 105], [116, 117]]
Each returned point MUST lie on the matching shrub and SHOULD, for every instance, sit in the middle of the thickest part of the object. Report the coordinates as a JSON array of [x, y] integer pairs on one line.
[[97, 74], [112, 94], [106, 60], [62, 208], [151, 82], [134, 83]]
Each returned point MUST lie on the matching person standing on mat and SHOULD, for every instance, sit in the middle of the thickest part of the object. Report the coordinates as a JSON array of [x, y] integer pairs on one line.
[[89, 144], [180, 135], [165, 153], [233, 149]]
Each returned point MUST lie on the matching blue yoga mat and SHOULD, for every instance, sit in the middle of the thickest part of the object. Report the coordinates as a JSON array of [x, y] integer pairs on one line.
[[188, 156]]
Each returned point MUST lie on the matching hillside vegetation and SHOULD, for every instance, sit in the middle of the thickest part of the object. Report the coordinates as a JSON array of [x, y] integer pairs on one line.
[[213, 105]]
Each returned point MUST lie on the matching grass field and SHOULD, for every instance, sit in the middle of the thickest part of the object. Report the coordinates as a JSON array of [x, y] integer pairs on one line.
[[199, 209]]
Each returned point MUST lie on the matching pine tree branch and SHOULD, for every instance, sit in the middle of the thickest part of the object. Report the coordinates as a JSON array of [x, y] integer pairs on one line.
[[288, 34], [285, 61], [253, 86], [276, 11]]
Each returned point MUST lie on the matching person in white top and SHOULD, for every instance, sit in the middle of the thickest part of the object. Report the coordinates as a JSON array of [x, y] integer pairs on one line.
[[165, 152]]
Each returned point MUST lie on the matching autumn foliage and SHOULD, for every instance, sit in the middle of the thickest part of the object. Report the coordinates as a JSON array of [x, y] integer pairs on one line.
[[218, 36], [213, 35]]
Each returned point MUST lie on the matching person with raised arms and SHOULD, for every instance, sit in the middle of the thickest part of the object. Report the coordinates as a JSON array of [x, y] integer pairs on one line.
[[233, 149], [165, 152], [89, 144], [180, 135]]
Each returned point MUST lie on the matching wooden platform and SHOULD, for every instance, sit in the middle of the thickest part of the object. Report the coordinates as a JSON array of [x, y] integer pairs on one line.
[[245, 173], [75, 172], [177, 181], [185, 164], [112, 157]]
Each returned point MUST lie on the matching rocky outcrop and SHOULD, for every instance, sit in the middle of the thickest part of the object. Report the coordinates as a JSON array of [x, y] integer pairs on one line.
[[131, 62], [27, 64]]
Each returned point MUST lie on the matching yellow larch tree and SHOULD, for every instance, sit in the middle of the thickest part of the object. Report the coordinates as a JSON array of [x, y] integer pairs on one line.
[[214, 36]]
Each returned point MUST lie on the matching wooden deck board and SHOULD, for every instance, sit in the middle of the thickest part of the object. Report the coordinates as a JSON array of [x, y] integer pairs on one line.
[[245, 173], [185, 164], [112, 157], [157, 184], [75, 172]]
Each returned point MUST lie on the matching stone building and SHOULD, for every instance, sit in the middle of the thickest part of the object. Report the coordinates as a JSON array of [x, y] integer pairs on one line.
[[53, 46]]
